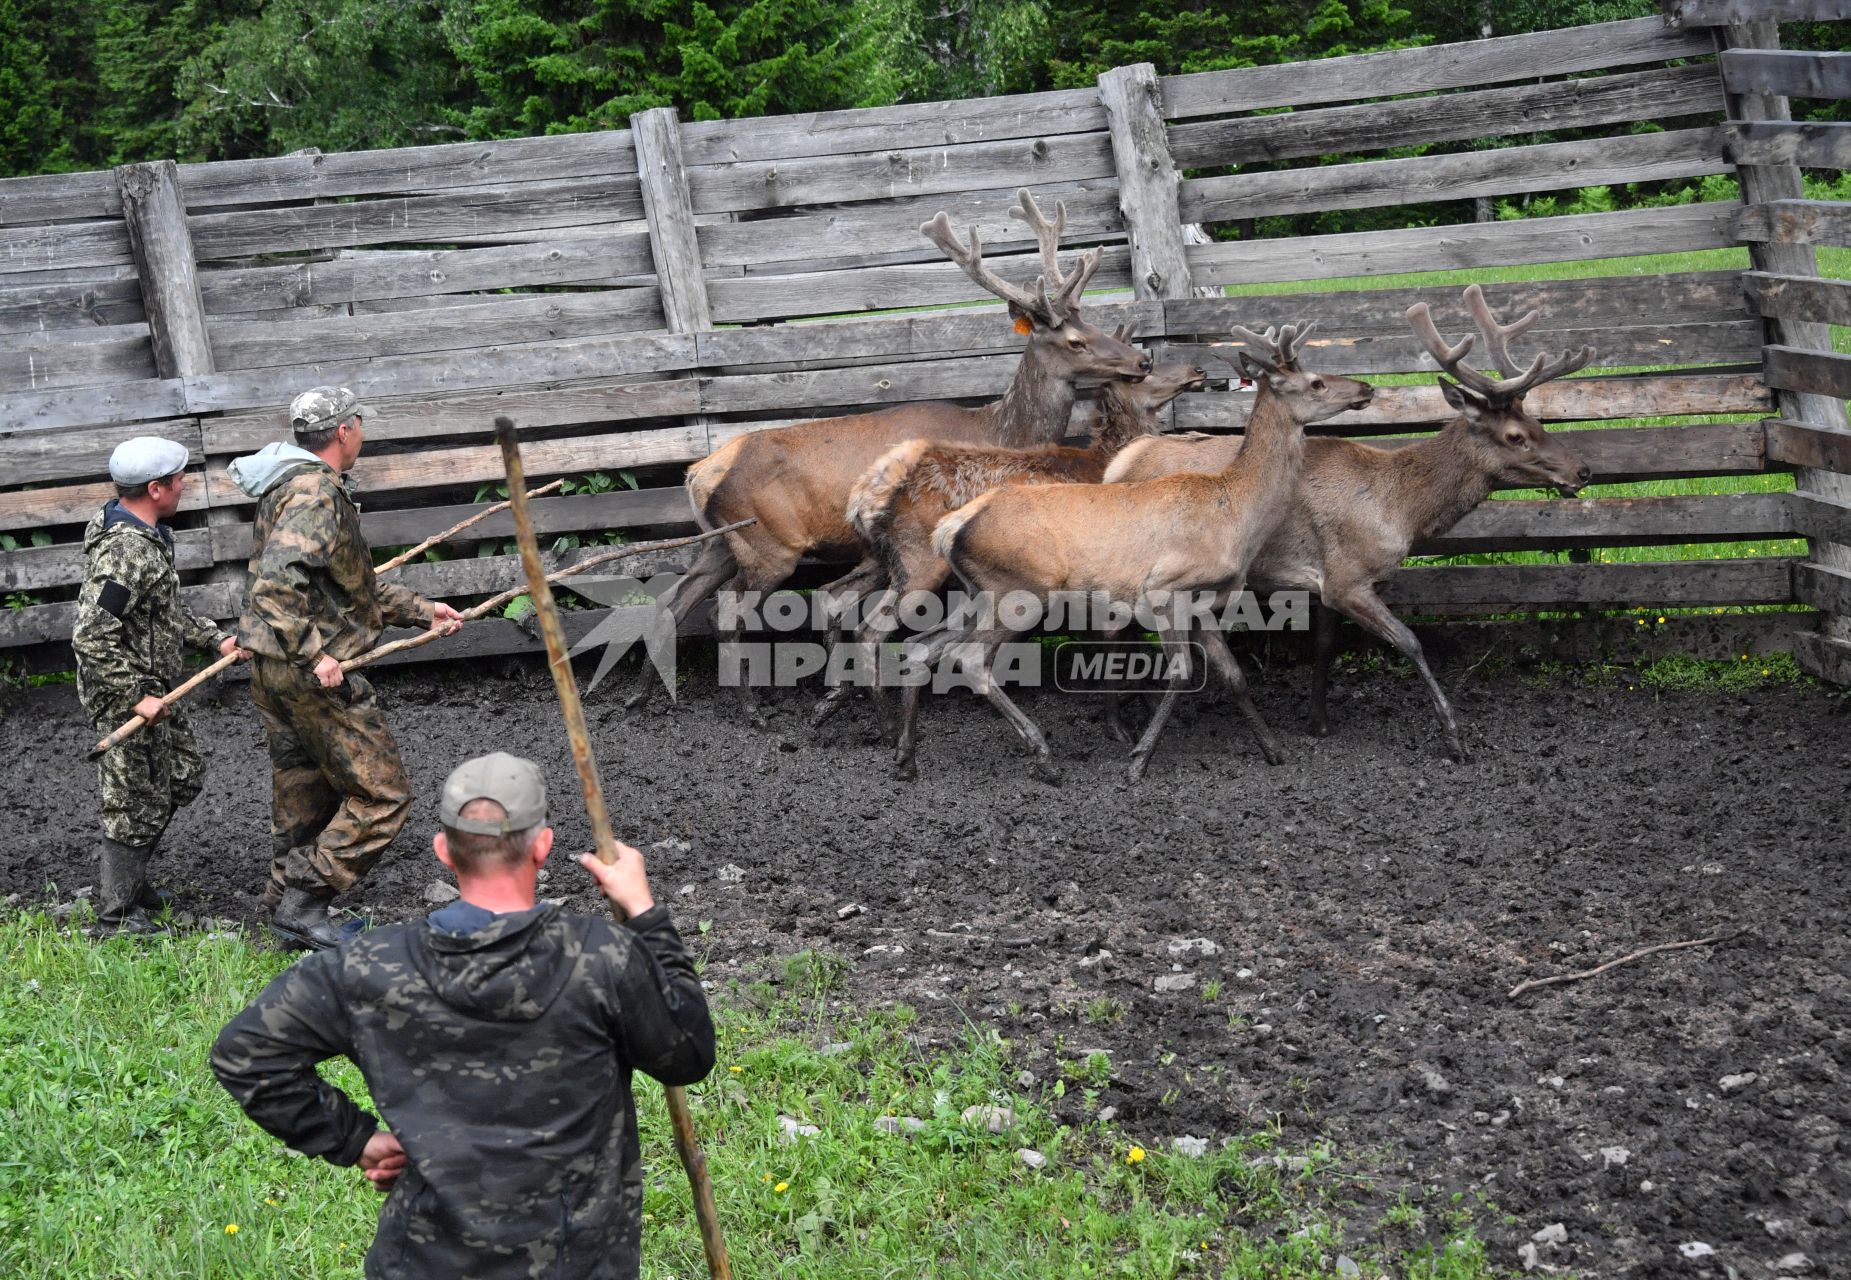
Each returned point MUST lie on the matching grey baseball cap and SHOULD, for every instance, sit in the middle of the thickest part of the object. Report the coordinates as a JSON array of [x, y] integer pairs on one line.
[[146, 458], [511, 782], [319, 406]]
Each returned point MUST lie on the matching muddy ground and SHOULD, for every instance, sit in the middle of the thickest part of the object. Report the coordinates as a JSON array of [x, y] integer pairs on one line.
[[1368, 903]]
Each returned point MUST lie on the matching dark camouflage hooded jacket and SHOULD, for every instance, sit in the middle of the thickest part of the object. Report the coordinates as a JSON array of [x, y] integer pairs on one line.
[[132, 626], [312, 587], [501, 1060]]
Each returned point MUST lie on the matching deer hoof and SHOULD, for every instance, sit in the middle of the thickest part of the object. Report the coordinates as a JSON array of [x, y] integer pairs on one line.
[[825, 708], [906, 771], [1134, 772], [1046, 771]]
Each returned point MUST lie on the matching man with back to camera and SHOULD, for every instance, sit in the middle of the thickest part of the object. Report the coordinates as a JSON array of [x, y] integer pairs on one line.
[[132, 631], [498, 1039], [339, 793]]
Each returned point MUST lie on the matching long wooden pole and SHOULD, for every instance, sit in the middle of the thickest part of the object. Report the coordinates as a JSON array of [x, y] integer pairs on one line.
[[404, 557], [559, 661]]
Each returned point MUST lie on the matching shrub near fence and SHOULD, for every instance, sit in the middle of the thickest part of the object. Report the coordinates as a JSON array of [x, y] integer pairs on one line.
[[638, 297]]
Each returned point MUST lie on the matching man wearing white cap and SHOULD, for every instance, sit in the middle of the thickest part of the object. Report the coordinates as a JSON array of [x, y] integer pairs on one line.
[[498, 1038], [132, 628]]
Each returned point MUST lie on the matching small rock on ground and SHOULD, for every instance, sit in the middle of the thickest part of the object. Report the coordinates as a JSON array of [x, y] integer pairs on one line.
[[1175, 982], [899, 1124], [1554, 1233], [1794, 1264], [438, 892], [995, 1119], [1729, 1084], [790, 1129], [1694, 1249], [1186, 1145], [1194, 947], [1030, 1157], [731, 873]]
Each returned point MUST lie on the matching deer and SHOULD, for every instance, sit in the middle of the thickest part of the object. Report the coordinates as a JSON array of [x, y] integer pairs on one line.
[[896, 505], [1360, 507], [795, 480], [1178, 536]]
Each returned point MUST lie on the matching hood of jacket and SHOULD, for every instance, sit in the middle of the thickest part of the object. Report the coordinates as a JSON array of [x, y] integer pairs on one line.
[[511, 970], [260, 472], [113, 520]]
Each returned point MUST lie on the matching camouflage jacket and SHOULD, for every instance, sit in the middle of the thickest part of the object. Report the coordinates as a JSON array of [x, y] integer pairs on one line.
[[501, 1060], [311, 583], [132, 626]]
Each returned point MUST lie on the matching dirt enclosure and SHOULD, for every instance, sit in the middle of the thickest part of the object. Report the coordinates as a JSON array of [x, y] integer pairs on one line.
[[1366, 906]]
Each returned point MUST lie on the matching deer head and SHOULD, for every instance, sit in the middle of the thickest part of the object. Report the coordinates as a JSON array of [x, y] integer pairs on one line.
[[1272, 360], [1050, 319], [1512, 446]]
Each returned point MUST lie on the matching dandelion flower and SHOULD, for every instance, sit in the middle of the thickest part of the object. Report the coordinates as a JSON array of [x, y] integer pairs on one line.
[[1661, 620], [1766, 672], [735, 1069], [765, 1178], [1134, 1155], [782, 1187], [269, 1199], [231, 1228]]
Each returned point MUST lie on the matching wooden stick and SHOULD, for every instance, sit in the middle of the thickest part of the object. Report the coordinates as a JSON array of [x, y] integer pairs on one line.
[[1533, 983], [457, 528], [134, 724], [559, 661]]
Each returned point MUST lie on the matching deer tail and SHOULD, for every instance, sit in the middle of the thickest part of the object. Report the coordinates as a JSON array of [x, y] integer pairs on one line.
[[945, 533]]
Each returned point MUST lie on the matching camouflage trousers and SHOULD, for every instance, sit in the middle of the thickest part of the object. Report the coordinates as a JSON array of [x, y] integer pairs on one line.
[[147, 777], [338, 793]]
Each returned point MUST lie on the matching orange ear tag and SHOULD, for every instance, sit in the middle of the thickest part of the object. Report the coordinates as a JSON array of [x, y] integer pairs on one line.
[[1024, 325]]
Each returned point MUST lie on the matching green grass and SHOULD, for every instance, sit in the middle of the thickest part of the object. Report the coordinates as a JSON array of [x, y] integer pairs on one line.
[[121, 1156]]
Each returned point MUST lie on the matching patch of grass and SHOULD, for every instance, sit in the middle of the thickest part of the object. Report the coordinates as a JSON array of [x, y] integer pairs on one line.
[[120, 1155], [1739, 676], [1102, 1011]]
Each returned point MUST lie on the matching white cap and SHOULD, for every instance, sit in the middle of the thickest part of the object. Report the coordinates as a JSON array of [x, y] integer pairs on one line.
[[146, 458]]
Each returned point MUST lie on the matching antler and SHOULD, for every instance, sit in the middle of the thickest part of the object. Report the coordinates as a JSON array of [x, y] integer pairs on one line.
[[1067, 288], [1516, 381], [970, 258], [1276, 349]]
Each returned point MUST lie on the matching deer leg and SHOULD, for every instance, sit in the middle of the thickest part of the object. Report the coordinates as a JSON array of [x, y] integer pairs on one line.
[[1225, 664], [864, 639], [1324, 648], [1115, 701], [714, 567], [935, 644], [1175, 643], [1043, 767], [1368, 610]]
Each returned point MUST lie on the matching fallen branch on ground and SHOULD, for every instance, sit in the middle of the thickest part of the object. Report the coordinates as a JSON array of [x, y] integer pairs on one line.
[[1521, 987]]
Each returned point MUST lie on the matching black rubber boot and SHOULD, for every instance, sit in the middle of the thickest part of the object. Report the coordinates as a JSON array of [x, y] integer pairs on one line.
[[123, 871], [301, 920]]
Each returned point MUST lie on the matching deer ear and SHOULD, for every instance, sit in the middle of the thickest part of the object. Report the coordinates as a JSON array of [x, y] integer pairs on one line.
[[1024, 322], [1255, 370], [1472, 406]]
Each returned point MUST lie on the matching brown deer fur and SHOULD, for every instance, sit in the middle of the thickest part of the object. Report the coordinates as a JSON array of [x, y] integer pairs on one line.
[[1185, 533], [1360, 508]]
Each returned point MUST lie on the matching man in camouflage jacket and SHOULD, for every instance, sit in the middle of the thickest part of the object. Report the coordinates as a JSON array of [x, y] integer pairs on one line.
[[338, 790], [498, 1038], [132, 629]]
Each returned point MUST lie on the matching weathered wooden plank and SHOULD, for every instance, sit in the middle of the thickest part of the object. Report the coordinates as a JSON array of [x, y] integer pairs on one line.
[[764, 184], [1574, 238], [64, 246], [163, 249], [585, 202], [1807, 444], [447, 468], [33, 457], [1568, 400], [36, 624], [74, 504], [913, 124], [1659, 94], [75, 357], [1720, 13], [92, 406], [59, 197], [501, 322], [408, 170], [1525, 525], [1445, 66], [1820, 518], [1147, 181], [566, 361], [1556, 586], [38, 308], [1728, 342], [1818, 372], [368, 276], [1552, 166], [1823, 587], [937, 283], [1787, 73], [62, 565], [880, 384], [1694, 297], [965, 331], [1822, 656], [1799, 297], [425, 416], [669, 210], [1795, 222], [1811, 145], [1624, 454], [838, 237]]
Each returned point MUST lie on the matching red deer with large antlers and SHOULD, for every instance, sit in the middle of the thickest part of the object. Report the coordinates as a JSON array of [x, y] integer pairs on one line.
[[796, 480], [1173, 539], [1360, 508], [914, 485]]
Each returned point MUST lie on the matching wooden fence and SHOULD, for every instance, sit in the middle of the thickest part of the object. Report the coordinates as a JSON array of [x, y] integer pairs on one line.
[[639, 297]]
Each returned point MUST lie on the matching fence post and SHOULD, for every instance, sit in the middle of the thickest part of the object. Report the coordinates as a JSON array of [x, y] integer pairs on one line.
[[169, 274], [1147, 181], [1762, 183], [670, 211]]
